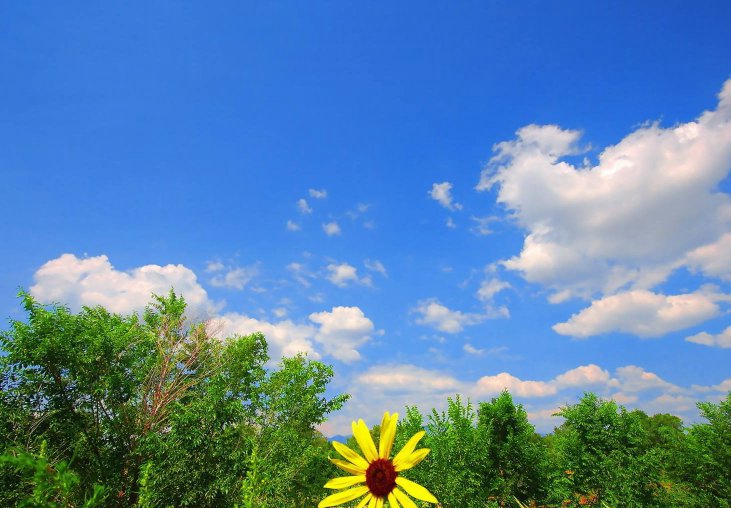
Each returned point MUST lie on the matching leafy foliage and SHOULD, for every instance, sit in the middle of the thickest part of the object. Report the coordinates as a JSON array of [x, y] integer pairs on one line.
[[159, 412], [98, 409]]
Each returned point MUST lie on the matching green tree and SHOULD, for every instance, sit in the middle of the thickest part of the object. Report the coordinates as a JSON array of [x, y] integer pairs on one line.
[[707, 457], [160, 412], [450, 470], [602, 448], [512, 457]]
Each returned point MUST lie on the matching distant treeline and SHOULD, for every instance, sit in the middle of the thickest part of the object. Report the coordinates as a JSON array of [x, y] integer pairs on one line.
[[98, 409]]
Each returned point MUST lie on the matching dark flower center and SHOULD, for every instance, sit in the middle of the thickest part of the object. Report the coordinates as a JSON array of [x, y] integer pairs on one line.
[[381, 477]]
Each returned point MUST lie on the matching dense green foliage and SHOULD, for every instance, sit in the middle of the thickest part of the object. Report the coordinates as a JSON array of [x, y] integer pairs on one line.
[[98, 409], [157, 412], [602, 455]]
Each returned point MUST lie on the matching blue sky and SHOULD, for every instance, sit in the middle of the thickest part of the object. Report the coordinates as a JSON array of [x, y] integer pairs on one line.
[[433, 199]]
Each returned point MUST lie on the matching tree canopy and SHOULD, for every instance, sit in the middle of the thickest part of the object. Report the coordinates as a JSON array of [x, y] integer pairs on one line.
[[98, 409]]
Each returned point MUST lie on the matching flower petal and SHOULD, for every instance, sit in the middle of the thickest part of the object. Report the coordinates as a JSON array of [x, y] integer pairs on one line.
[[345, 481], [373, 502], [342, 497], [379, 502], [415, 490], [408, 447], [392, 501], [411, 460], [365, 500], [349, 454], [365, 441], [388, 433], [404, 499], [347, 466]]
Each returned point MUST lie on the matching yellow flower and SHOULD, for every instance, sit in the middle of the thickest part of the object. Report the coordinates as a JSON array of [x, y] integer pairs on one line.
[[379, 473]]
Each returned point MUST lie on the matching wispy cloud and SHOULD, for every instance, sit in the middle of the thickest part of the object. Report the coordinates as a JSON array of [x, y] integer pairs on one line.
[[375, 266]]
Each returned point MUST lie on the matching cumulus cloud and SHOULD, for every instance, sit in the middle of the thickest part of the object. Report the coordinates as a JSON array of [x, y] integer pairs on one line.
[[642, 313], [303, 206], [235, 277], [388, 386], [636, 379], [721, 340], [342, 331], [344, 274], [91, 281], [284, 338], [434, 314], [318, 193], [585, 375], [713, 260], [442, 193], [450, 223], [493, 385], [293, 226], [649, 206], [337, 333], [331, 228]]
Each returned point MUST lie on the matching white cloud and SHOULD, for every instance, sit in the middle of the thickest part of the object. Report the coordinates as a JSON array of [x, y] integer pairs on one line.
[[236, 277], [469, 348], [490, 287], [342, 274], [450, 223], [399, 378], [650, 204], [493, 385], [293, 226], [438, 316], [482, 225], [376, 266], [642, 313], [284, 338], [303, 206], [673, 404], [634, 379], [585, 375], [713, 259], [442, 193], [318, 193], [342, 331], [331, 228], [390, 387], [94, 281], [300, 273], [214, 266], [721, 340], [91, 281]]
